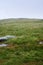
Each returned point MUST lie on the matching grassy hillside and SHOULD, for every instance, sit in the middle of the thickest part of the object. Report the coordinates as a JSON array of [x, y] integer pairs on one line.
[[25, 48]]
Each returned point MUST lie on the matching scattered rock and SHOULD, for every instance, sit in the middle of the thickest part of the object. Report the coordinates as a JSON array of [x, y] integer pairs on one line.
[[41, 42], [3, 45], [6, 38]]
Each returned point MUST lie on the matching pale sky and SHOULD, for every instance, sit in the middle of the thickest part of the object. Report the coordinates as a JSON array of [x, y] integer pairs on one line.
[[21, 9]]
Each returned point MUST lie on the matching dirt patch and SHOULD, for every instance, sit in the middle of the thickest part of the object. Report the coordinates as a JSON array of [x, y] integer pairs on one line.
[[2, 61], [33, 63], [11, 46]]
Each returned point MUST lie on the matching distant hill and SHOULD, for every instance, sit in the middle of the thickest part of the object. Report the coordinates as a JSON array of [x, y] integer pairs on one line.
[[20, 20]]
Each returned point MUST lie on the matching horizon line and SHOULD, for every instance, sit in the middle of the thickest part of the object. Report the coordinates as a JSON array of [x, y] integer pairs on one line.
[[19, 18]]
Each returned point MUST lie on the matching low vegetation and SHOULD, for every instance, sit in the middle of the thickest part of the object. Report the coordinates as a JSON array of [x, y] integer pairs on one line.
[[25, 48]]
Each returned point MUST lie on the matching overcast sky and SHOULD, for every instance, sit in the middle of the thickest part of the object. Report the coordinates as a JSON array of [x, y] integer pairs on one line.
[[21, 9]]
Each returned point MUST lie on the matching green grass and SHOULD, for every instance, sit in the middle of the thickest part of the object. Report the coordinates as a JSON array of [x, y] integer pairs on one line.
[[25, 48]]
